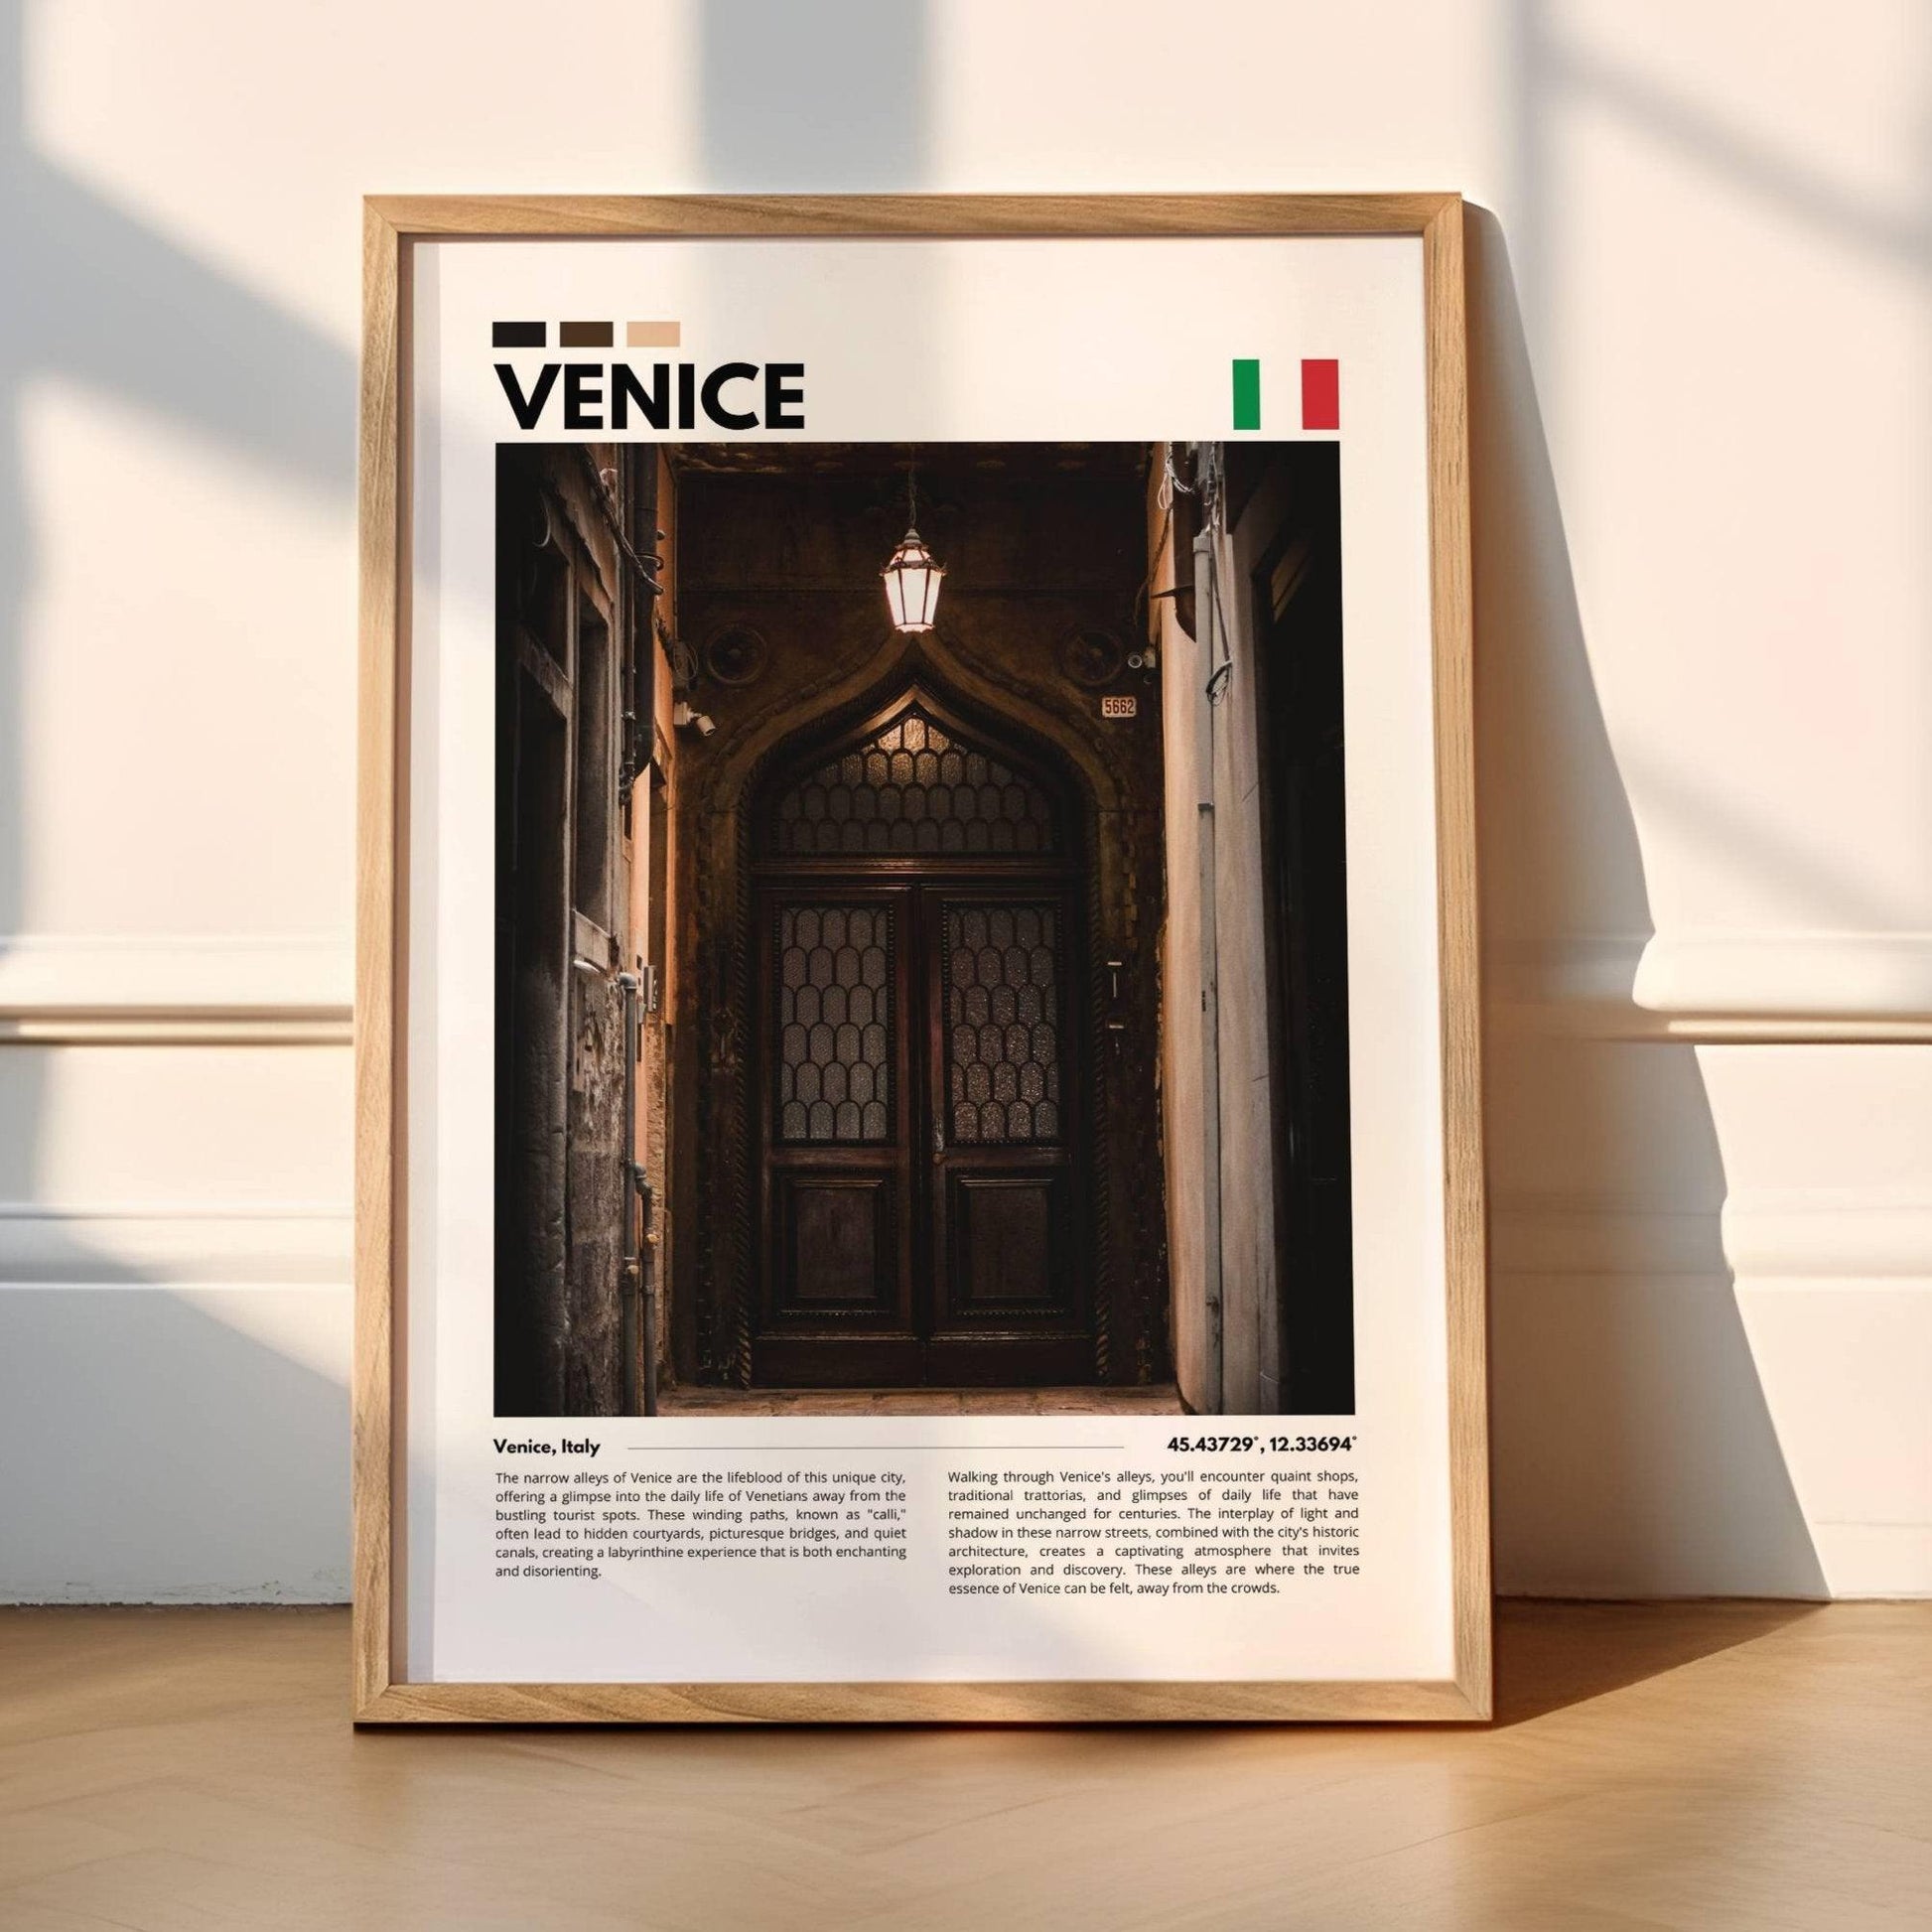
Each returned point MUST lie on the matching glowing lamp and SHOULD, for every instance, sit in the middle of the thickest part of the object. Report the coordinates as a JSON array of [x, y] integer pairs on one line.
[[912, 578]]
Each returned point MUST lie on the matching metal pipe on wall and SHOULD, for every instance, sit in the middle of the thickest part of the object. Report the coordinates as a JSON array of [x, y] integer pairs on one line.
[[648, 1269], [637, 1337]]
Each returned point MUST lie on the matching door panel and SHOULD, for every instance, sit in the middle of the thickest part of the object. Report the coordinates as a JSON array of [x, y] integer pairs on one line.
[[919, 1134], [1010, 1295], [838, 1251], [836, 1022], [834, 1123], [1006, 1255], [1000, 976]]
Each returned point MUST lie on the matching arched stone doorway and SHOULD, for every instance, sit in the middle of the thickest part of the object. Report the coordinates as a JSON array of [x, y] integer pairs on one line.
[[919, 1039], [774, 555]]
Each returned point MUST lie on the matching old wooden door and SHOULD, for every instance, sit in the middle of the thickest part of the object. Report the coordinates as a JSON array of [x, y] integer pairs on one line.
[[921, 1144]]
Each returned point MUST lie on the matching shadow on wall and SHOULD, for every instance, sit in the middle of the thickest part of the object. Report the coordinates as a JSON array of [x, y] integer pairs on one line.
[[172, 1398], [185, 1458], [1630, 1433], [181, 1450], [822, 99], [1633, 1442], [1634, 1449], [1561, 76], [1630, 1421]]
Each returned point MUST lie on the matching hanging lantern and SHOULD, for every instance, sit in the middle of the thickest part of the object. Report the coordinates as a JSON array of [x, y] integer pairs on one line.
[[912, 584], [911, 574]]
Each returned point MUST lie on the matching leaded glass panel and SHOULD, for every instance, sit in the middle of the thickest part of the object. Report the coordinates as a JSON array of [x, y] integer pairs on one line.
[[1002, 1047], [914, 787], [835, 1023]]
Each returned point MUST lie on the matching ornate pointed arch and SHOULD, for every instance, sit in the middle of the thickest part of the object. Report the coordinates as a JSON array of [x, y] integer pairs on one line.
[[1101, 847], [914, 779]]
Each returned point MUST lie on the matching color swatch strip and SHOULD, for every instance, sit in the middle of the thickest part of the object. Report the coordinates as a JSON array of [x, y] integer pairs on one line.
[[586, 334]]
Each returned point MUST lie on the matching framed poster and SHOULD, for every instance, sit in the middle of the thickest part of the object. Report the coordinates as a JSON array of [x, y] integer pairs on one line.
[[919, 1140]]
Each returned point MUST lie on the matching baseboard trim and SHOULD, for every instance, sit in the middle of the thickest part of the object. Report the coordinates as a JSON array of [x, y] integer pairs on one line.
[[1732, 988]]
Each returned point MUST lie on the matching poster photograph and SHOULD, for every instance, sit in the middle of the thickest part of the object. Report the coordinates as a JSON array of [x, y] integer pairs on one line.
[[920, 1148]]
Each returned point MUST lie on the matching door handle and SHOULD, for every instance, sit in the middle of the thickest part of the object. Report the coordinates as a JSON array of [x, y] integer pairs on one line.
[[938, 1138]]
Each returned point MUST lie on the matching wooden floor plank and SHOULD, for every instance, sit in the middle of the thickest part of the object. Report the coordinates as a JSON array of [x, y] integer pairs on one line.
[[1704, 1766]]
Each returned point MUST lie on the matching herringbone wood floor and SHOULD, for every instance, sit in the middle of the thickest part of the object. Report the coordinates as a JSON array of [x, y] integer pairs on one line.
[[1705, 1766]]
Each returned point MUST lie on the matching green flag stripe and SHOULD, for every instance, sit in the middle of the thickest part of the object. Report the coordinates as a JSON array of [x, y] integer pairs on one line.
[[1247, 393]]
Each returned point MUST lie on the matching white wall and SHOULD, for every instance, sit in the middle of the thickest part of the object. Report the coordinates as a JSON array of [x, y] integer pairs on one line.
[[1704, 385]]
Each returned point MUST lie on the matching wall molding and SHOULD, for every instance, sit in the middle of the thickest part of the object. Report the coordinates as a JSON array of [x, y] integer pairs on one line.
[[138, 989], [1842, 1236], [1768, 986], [1797, 1235], [1562, 1235], [141, 1244]]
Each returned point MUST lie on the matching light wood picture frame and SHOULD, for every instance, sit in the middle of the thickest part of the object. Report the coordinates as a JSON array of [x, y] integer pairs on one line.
[[393, 227]]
